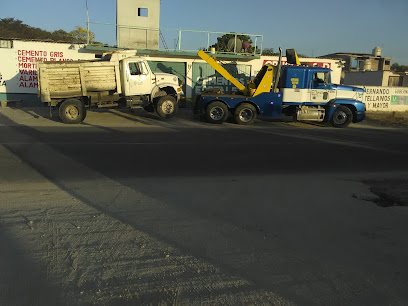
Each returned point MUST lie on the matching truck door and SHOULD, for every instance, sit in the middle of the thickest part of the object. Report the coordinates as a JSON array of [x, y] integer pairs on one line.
[[140, 78], [319, 87]]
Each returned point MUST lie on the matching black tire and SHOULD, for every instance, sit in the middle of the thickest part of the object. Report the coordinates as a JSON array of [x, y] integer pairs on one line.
[[245, 114], [166, 106], [341, 117], [216, 112], [149, 108], [72, 111]]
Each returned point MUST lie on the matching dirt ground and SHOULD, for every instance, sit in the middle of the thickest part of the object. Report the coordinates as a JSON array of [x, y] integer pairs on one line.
[[55, 249], [388, 119], [94, 258]]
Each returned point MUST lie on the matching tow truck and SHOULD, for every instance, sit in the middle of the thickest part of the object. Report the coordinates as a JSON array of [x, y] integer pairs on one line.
[[305, 93]]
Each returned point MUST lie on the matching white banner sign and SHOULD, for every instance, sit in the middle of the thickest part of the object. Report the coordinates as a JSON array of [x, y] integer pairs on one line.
[[18, 69], [386, 98]]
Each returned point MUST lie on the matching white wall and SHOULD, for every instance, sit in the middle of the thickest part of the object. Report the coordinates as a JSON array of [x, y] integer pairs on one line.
[[18, 67], [319, 62]]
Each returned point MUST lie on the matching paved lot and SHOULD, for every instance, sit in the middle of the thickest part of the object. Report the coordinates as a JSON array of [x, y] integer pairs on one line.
[[126, 208]]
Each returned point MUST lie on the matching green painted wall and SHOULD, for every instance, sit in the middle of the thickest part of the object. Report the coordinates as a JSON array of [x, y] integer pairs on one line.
[[25, 100], [176, 68], [205, 76]]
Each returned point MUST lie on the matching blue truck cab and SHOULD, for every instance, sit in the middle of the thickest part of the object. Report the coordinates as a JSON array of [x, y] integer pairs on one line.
[[306, 93]]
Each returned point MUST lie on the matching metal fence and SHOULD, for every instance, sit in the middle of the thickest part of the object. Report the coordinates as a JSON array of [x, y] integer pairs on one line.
[[177, 40]]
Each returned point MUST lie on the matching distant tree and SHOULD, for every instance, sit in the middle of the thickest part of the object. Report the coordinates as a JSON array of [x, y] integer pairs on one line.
[[269, 51], [60, 35], [80, 35], [222, 42], [14, 28], [11, 28], [399, 68]]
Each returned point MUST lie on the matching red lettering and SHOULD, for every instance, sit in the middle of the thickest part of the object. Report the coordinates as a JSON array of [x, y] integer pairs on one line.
[[28, 84], [27, 66], [32, 53], [57, 54], [29, 72]]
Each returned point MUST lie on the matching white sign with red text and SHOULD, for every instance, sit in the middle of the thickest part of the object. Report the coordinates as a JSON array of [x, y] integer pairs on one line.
[[19, 63], [313, 64]]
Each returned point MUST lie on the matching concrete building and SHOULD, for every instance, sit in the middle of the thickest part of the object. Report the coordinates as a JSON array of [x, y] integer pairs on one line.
[[372, 78], [138, 23], [368, 69], [361, 61]]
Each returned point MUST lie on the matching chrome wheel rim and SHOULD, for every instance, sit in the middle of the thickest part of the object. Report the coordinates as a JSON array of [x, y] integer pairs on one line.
[[72, 112], [340, 117], [167, 107], [246, 115], [216, 113]]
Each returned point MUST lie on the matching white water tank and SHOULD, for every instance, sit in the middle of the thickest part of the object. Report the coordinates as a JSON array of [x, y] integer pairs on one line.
[[367, 65], [377, 51]]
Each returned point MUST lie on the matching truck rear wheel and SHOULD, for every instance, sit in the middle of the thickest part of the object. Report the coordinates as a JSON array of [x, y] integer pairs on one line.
[[72, 111], [216, 112], [341, 117], [245, 114], [166, 107]]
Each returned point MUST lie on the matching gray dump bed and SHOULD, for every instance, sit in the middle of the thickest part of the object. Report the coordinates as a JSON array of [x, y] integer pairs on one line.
[[58, 80]]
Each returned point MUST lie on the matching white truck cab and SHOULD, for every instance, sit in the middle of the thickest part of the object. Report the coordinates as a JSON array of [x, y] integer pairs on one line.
[[138, 79]]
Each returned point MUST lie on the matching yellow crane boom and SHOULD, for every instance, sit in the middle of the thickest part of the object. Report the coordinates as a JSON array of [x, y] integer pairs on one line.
[[211, 61], [263, 80]]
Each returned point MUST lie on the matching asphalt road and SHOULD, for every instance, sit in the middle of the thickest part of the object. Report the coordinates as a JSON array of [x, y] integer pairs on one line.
[[281, 205]]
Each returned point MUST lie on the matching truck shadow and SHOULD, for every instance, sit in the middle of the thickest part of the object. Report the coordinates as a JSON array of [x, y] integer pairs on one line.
[[125, 113]]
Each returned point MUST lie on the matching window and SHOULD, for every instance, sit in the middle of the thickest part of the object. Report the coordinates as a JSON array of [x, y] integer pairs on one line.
[[142, 12], [6, 44], [137, 68], [394, 81], [320, 79]]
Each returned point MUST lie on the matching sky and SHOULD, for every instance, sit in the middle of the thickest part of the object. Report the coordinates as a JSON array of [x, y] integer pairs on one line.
[[313, 28]]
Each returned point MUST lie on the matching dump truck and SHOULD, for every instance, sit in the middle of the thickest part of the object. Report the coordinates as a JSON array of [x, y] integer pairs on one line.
[[117, 79], [305, 93]]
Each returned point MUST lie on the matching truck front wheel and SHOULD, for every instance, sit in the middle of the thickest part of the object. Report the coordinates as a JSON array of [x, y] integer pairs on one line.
[[216, 112], [341, 117], [72, 111], [166, 107], [245, 114]]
